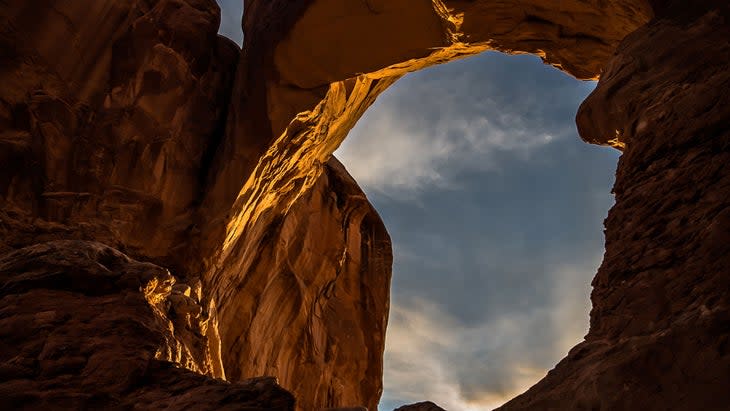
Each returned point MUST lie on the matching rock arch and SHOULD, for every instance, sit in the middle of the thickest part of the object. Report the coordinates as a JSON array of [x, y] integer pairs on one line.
[[153, 136], [315, 67]]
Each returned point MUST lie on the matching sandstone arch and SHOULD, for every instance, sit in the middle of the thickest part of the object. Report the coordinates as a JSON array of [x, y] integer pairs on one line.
[[139, 136], [301, 92]]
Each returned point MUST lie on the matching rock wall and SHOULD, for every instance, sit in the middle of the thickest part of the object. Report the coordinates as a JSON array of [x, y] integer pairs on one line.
[[421, 406], [659, 326], [130, 127], [83, 326]]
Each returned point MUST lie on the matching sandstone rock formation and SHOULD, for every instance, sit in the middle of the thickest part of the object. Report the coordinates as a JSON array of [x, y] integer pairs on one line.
[[129, 131], [312, 305], [83, 326], [109, 111], [296, 97]]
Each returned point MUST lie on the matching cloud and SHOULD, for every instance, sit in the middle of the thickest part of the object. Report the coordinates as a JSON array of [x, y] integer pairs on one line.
[[433, 125], [480, 366], [499, 271], [392, 152]]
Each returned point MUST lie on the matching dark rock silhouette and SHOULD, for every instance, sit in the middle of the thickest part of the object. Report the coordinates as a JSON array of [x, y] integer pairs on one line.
[[420, 406]]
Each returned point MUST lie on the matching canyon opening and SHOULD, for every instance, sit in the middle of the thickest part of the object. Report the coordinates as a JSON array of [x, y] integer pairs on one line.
[[495, 209]]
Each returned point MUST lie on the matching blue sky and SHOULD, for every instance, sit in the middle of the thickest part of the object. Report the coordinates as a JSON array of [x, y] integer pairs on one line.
[[495, 208]]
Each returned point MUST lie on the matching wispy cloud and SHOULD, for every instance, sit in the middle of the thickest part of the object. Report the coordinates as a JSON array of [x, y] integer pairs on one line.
[[392, 152]]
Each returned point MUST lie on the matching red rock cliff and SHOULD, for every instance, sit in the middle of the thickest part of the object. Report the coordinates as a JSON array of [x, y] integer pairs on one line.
[[132, 128]]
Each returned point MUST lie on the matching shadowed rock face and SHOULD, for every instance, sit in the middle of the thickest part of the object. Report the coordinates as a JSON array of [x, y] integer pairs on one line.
[[133, 129], [109, 110], [83, 326], [659, 336]]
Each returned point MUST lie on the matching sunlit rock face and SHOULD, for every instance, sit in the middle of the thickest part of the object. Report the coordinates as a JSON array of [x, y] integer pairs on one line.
[[312, 306], [134, 130]]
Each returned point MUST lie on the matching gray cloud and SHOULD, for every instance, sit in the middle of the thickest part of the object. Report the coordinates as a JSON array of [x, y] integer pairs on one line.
[[400, 154]]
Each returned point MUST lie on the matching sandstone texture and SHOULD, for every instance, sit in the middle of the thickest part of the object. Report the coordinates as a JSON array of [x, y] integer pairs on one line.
[[133, 138], [109, 110], [310, 302], [83, 326]]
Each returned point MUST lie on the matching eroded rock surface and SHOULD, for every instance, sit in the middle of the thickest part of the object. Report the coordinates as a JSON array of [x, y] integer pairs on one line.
[[83, 326], [109, 110]]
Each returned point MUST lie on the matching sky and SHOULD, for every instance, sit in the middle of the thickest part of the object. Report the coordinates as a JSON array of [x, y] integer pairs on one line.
[[495, 208]]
